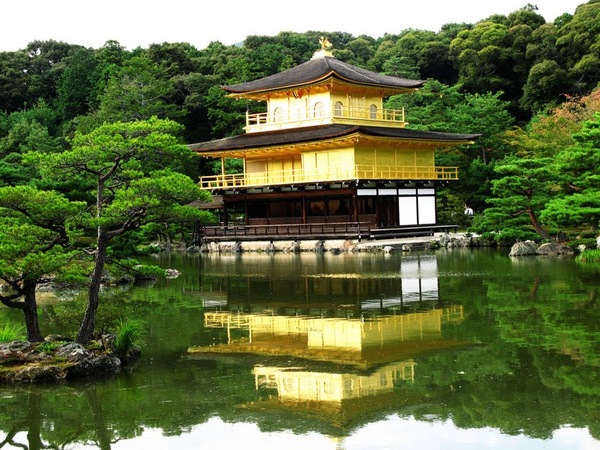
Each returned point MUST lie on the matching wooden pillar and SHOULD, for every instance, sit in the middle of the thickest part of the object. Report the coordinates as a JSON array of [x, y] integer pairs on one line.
[[223, 169], [303, 220], [225, 218]]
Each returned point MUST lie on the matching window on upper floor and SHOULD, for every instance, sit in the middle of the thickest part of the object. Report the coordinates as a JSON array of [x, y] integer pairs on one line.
[[319, 110], [339, 109], [373, 111], [278, 115]]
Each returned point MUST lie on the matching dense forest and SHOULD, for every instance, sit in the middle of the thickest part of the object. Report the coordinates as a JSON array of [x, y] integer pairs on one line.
[[529, 87]]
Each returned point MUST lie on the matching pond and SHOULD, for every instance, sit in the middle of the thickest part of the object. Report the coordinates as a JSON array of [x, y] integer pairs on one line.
[[449, 349]]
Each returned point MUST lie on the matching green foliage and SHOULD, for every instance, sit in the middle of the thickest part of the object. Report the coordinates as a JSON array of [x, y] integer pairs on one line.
[[79, 84], [545, 83], [578, 165], [139, 90], [520, 193], [589, 256], [130, 267], [577, 44], [49, 347], [578, 242], [131, 168], [11, 333], [437, 107], [450, 209], [574, 210], [128, 333], [37, 229]]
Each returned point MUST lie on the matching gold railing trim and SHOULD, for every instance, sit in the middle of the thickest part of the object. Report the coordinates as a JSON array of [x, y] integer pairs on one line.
[[295, 176]]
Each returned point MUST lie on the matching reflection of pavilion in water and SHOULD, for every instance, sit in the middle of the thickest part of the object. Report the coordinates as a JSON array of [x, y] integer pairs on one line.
[[357, 342], [413, 287], [297, 385], [344, 356], [356, 330]]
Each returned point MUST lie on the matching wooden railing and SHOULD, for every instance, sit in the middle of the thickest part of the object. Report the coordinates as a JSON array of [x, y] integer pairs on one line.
[[360, 172], [348, 230], [284, 119], [318, 230]]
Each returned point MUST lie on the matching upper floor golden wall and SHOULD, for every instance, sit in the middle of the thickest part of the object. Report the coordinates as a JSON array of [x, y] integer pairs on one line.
[[322, 105]]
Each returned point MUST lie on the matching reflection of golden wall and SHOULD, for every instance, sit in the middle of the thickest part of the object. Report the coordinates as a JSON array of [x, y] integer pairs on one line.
[[278, 324], [335, 333], [340, 333], [293, 384], [384, 330]]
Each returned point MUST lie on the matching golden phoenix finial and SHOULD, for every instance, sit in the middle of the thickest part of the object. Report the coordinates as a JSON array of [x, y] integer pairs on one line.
[[325, 44]]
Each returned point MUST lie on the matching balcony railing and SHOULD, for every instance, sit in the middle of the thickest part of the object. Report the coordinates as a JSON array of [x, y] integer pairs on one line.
[[360, 172], [319, 116]]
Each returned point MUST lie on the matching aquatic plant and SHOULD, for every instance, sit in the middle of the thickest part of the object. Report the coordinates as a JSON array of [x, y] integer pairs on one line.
[[128, 332], [589, 256]]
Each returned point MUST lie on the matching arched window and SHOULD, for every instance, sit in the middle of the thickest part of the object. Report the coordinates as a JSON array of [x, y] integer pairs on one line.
[[338, 109], [278, 115], [319, 110], [373, 111]]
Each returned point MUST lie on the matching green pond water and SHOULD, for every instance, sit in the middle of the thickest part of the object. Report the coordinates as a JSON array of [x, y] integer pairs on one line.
[[453, 349]]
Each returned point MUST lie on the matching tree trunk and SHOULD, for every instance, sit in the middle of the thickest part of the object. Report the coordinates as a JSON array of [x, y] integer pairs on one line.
[[536, 225], [88, 324], [32, 323]]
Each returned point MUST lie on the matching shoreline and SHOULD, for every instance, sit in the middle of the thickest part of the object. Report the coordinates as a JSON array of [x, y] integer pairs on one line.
[[436, 240]]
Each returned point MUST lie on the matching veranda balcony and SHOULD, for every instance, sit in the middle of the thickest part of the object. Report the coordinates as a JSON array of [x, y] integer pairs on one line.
[[300, 176], [279, 120]]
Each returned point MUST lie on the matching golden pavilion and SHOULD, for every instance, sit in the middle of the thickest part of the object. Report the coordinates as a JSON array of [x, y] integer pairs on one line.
[[327, 159]]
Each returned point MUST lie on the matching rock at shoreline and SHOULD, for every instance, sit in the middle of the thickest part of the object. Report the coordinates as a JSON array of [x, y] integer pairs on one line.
[[525, 248], [458, 241], [554, 248], [30, 363], [530, 248]]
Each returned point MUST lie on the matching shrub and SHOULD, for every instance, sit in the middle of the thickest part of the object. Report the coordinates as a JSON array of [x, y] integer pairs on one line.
[[589, 256], [12, 333], [128, 332], [50, 347], [589, 243]]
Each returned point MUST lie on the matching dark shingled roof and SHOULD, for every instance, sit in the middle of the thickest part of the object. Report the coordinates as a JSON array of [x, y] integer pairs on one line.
[[319, 69], [317, 133]]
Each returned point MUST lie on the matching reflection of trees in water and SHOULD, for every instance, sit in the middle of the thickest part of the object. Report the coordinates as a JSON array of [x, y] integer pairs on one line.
[[32, 423], [57, 421]]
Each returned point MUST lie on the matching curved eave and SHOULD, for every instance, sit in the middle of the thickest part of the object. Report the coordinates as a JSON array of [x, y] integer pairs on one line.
[[263, 94], [316, 71], [239, 146]]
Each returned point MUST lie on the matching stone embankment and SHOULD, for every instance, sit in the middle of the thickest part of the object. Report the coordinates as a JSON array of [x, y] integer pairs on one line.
[[438, 240]]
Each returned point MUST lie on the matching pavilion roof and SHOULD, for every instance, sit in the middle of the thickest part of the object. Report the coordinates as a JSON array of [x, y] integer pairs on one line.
[[319, 69], [324, 132]]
